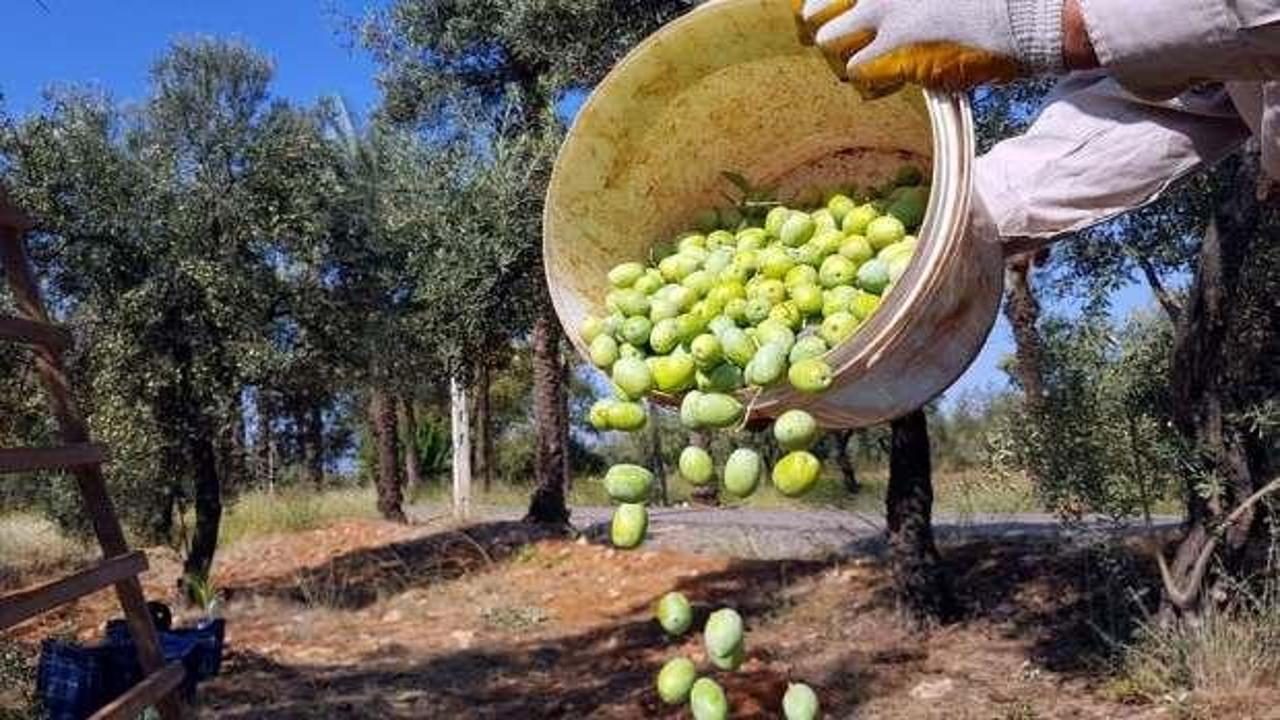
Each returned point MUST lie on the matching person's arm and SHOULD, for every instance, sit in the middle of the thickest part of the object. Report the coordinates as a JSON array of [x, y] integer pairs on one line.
[[1096, 152], [1156, 47], [1159, 47], [1077, 48]]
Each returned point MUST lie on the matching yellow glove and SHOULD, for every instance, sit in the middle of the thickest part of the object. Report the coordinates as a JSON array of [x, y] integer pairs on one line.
[[943, 44]]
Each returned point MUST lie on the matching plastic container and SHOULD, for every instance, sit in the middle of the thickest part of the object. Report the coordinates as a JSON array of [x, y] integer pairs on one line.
[[730, 87]]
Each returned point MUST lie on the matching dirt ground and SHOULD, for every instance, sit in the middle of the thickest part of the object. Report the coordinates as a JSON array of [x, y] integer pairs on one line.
[[371, 620]]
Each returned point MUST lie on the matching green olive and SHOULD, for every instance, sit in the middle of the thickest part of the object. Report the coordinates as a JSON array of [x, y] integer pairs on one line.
[[838, 327], [800, 275], [857, 249], [837, 270], [885, 231], [603, 351], [776, 262], [857, 220], [807, 298], [797, 230]]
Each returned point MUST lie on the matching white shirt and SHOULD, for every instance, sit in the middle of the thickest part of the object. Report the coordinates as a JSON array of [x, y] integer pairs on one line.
[[1112, 140]]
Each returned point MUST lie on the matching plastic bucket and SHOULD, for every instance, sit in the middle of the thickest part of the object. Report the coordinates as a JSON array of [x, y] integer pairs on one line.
[[730, 87]]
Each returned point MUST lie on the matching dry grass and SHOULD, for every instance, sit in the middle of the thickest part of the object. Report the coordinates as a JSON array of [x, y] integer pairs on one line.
[[959, 492], [586, 491], [257, 514], [32, 545], [1229, 654]]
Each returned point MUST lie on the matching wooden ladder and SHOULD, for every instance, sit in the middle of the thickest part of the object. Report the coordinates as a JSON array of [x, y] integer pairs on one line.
[[120, 566]]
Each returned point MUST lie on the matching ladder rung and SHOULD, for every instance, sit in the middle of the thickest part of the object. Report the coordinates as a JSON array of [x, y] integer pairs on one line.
[[67, 457], [26, 604], [33, 332], [146, 693]]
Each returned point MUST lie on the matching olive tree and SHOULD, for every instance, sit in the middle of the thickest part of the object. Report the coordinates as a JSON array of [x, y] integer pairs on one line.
[[446, 61], [150, 252]]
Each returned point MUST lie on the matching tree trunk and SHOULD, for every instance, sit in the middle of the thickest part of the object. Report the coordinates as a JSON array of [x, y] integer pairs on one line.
[[920, 581], [312, 441], [548, 502], [412, 453], [1224, 366], [562, 419], [484, 431], [382, 420], [208, 505], [460, 429], [848, 473], [1023, 313], [263, 440], [236, 462], [656, 464]]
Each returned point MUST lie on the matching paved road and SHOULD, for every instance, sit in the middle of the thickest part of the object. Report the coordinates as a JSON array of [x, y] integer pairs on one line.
[[771, 534]]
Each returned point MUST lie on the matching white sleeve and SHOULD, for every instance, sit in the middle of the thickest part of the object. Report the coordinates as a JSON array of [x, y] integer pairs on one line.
[[1159, 47], [1095, 152]]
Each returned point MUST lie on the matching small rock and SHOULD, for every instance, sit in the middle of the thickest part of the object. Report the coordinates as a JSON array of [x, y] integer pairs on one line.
[[463, 638], [933, 689], [392, 616], [582, 540]]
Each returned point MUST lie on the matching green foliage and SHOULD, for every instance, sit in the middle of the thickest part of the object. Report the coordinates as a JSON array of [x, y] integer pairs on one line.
[[1102, 442], [152, 241], [203, 594], [511, 59], [434, 448]]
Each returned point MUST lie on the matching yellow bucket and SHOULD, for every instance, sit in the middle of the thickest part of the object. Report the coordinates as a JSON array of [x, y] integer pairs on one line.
[[730, 87]]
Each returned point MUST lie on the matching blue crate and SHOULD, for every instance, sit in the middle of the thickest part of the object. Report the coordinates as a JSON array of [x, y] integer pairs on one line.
[[73, 681], [198, 647]]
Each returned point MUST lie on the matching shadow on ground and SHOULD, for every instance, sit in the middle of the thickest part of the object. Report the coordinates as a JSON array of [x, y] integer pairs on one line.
[[604, 673], [1052, 596], [358, 579]]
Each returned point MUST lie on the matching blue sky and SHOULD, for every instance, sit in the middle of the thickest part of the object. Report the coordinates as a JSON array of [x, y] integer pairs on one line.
[[112, 44]]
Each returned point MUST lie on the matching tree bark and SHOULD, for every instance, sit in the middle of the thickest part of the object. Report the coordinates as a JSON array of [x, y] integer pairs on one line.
[[562, 418], [656, 464], [460, 430], [919, 579], [208, 505], [484, 431], [548, 505], [1171, 306], [236, 461], [1023, 312], [263, 439], [408, 417], [1224, 365], [312, 437], [848, 473], [382, 420]]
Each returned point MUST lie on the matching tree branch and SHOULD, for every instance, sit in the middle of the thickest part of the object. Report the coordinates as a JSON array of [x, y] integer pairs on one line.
[[1166, 298], [1183, 598]]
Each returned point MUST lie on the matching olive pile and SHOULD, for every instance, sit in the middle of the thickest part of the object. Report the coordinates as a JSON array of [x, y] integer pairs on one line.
[[745, 303], [723, 637]]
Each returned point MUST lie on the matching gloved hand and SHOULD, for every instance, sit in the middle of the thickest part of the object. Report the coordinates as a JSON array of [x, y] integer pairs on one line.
[[943, 44]]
